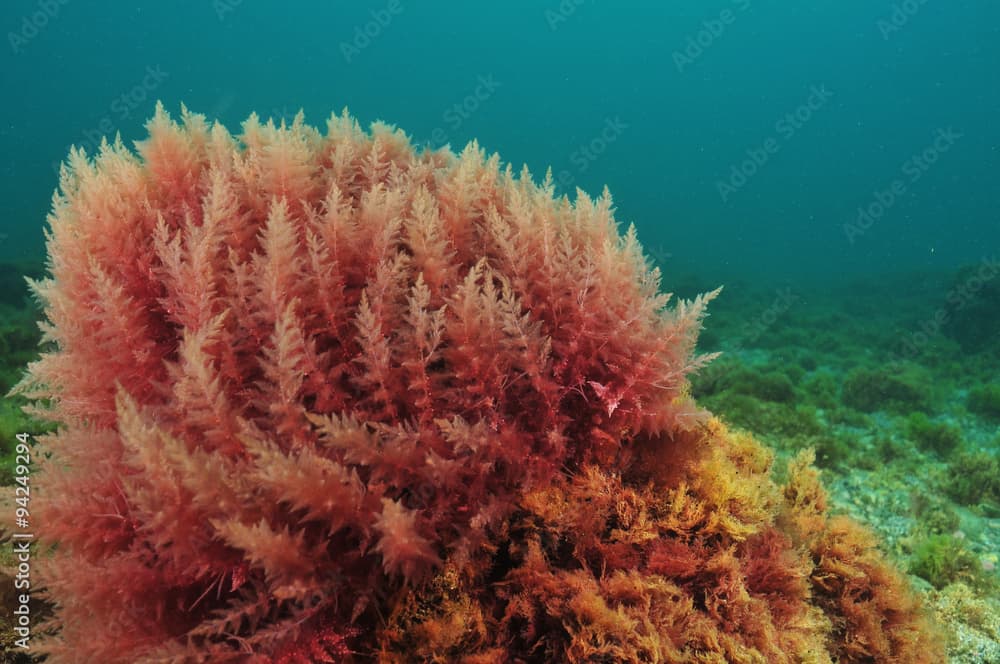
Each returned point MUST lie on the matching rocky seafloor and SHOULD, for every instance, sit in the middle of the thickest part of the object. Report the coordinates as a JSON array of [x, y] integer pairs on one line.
[[893, 382]]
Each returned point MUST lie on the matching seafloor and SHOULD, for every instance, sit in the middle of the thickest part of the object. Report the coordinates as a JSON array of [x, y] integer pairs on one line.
[[893, 381]]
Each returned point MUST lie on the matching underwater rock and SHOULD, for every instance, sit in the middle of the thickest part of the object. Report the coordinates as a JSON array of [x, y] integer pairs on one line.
[[972, 309]]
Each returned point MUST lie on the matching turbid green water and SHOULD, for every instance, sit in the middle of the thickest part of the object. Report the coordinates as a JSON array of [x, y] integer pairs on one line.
[[741, 137]]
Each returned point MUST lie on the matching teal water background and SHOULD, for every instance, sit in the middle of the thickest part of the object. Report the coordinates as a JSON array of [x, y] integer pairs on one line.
[[742, 137]]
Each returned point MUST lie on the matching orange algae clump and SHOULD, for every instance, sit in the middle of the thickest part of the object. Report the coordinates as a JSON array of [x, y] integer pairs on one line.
[[329, 398]]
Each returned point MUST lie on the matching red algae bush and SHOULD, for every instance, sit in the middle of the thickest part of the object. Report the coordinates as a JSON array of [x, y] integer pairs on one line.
[[328, 398]]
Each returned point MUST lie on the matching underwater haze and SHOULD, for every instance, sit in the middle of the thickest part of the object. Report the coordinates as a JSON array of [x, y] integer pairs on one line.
[[824, 140], [834, 165]]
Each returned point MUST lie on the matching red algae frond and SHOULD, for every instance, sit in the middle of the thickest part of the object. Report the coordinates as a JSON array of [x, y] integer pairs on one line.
[[329, 398]]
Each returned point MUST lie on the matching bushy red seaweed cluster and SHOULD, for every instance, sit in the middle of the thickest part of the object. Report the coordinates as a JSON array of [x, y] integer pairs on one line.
[[329, 398]]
